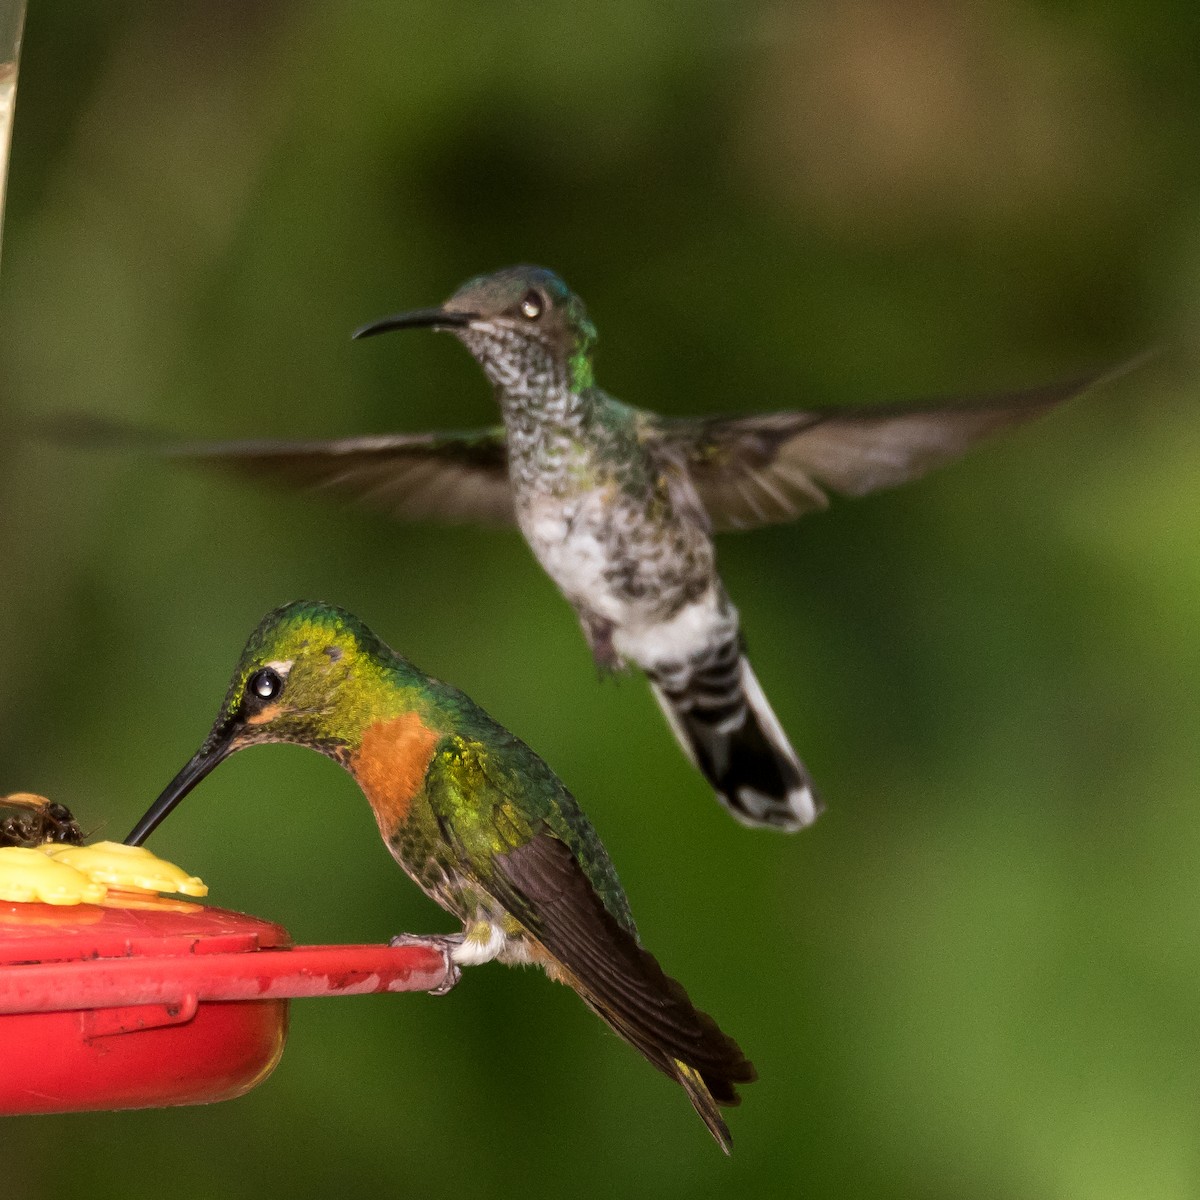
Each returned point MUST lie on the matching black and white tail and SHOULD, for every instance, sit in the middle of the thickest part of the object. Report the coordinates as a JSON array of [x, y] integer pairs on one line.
[[724, 723]]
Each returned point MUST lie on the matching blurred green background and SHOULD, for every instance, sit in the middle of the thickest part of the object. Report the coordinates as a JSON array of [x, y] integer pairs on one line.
[[979, 974]]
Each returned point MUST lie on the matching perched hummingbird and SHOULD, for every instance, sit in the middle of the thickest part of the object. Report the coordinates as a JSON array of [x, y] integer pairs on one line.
[[477, 820], [619, 505]]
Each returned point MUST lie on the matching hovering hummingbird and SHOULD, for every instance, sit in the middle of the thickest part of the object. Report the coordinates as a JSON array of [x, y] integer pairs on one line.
[[479, 823], [619, 505]]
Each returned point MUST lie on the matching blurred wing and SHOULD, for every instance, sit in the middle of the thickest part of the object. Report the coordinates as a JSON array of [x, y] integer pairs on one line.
[[454, 477], [760, 470]]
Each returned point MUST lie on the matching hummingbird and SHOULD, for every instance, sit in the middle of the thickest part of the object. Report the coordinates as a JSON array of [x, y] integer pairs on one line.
[[479, 823], [619, 505]]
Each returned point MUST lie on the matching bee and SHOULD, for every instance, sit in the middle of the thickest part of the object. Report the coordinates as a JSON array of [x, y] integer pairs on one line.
[[36, 821]]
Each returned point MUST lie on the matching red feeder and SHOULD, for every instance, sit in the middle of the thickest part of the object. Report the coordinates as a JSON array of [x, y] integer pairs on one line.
[[104, 1008]]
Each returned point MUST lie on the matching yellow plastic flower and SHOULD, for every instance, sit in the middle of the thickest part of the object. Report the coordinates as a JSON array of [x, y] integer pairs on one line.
[[28, 876], [128, 868]]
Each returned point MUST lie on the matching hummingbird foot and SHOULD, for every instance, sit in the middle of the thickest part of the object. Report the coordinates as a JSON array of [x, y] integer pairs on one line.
[[599, 634], [445, 944]]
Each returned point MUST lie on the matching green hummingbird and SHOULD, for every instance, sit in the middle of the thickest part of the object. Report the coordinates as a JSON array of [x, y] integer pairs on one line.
[[477, 820], [619, 505]]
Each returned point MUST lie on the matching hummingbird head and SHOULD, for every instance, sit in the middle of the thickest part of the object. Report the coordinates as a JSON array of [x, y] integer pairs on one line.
[[521, 324], [310, 674]]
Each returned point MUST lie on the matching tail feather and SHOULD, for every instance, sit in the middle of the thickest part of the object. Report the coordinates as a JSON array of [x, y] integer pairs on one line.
[[707, 1087], [729, 730], [705, 1103]]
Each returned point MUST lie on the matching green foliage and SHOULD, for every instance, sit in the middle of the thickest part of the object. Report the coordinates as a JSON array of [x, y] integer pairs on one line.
[[978, 975]]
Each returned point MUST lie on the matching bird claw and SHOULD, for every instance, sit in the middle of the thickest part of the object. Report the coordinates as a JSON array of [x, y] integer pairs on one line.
[[599, 634], [444, 944]]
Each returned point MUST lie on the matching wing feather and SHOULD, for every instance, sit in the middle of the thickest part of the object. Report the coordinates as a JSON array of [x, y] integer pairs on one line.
[[453, 477], [772, 467], [517, 848], [542, 883]]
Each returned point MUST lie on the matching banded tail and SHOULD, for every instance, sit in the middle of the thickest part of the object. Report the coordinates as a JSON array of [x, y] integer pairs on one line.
[[728, 729]]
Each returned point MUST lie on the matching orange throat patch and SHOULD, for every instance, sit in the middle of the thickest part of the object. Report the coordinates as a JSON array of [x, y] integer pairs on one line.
[[390, 766]]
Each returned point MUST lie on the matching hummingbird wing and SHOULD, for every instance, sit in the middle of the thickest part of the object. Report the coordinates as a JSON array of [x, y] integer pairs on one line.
[[535, 854], [773, 467], [453, 477], [542, 884]]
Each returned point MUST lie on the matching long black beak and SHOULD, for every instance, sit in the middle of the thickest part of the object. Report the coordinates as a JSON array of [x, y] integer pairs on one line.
[[215, 750], [422, 318]]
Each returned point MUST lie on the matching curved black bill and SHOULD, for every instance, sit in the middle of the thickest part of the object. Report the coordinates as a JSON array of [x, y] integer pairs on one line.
[[422, 318], [217, 748]]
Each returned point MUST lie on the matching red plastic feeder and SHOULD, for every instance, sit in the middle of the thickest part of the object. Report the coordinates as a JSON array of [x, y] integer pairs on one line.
[[105, 1008]]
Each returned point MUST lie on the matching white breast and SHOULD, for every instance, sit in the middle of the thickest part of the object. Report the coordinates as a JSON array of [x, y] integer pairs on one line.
[[569, 539]]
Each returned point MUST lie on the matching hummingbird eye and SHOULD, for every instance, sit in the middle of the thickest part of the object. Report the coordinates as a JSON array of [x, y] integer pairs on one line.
[[531, 305], [264, 685]]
